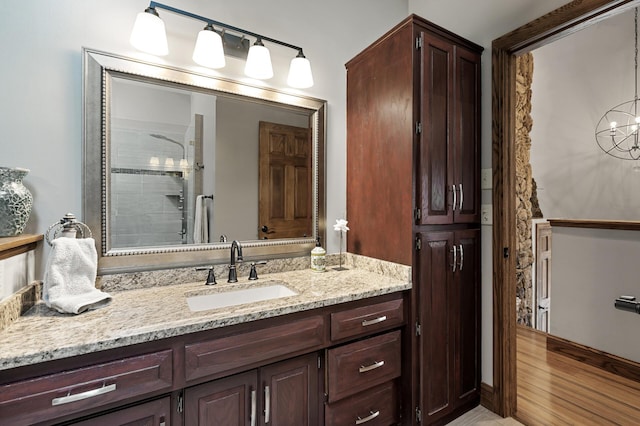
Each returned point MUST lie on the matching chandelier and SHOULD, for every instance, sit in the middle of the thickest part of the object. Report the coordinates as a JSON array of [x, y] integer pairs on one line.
[[617, 130]]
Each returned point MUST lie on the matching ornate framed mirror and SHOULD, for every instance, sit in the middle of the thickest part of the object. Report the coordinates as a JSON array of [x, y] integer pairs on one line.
[[179, 164]]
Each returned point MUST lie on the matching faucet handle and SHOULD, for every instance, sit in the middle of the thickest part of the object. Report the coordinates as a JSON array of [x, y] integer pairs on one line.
[[253, 274], [211, 278]]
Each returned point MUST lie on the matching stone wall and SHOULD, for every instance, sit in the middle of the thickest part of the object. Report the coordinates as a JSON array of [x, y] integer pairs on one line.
[[524, 261]]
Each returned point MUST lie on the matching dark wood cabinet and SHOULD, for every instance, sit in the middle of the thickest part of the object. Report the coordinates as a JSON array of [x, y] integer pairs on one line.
[[449, 315], [448, 132], [285, 393], [413, 138], [413, 197], [153, 413]]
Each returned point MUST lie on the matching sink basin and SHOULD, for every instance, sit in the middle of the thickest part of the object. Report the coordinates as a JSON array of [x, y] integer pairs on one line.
[[225, 299]]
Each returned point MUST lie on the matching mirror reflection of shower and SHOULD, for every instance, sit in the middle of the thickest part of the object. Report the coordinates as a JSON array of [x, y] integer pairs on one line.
[[156, 141]]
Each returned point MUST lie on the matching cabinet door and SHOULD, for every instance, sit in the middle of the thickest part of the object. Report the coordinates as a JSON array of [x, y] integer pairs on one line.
[[435, 346], [466, 308], [435, 175], [153, 413], [466, 136], [449, 313], [231, 401], [290, 392]]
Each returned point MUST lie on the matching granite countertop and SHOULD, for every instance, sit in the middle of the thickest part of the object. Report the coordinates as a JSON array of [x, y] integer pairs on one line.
[[146, 314]]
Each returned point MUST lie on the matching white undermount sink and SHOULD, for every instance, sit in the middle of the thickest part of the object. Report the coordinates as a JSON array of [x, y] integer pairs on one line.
[[225, 299]]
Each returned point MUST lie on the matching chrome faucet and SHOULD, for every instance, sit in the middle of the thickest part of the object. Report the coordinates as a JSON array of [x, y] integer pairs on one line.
[[236, 248]]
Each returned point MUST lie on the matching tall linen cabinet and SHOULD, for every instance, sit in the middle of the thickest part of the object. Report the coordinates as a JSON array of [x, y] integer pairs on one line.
[[413, 197]]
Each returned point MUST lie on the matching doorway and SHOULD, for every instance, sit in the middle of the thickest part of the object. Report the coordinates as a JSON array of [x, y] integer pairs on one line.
[[558, 23]]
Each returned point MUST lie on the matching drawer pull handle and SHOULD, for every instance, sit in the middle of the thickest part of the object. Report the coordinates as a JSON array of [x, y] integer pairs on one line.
[[371, 416], [373, 366], [83, 395], [267, 404], [374, 321]]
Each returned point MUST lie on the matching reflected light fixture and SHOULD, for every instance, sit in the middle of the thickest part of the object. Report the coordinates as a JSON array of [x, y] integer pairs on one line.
[[149, 35], [617, 130]]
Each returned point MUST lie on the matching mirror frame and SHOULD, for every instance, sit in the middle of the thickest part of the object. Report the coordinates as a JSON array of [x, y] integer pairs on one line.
[[98, 69]]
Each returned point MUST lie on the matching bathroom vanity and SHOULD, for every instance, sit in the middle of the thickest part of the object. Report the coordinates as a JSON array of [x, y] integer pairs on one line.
[[331, 354]]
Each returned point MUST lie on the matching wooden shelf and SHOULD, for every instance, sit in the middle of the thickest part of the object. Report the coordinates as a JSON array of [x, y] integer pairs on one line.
[[12, 246], [625, 225]]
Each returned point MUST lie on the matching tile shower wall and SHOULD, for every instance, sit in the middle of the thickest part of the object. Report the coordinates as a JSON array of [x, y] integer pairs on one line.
[[146, 207]]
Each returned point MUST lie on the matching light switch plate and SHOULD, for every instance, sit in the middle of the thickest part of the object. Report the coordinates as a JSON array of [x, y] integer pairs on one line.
[[486, 181], [486, 214]]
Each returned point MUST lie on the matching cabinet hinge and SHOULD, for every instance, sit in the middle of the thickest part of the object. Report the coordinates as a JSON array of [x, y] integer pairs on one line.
[[180, 403], [418, 243], [418, 42], [418, 329], [418, 415], [418, 128], [418, 214]]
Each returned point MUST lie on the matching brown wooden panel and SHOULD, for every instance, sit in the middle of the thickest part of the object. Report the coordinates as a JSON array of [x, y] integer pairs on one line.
[[467, 311], [222, 402], [285, 193], [595, 357], [154, 413], [215, 357], [293, 391], [30, 401], [436, 347], [367, 319], [347, 365], [466, 130], [381, 400], [380, 135], [435, 171]]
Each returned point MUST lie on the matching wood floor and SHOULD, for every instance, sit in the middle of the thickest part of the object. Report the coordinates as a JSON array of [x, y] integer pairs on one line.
[[557, 390]]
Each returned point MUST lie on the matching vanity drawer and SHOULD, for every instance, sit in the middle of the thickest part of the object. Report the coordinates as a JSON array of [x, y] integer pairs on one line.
[[373, 407], [234, 353], [363, 364], [367, 319], [70, 392]]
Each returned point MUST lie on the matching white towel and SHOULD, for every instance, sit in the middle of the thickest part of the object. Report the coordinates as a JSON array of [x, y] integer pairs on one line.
[[70, 276], [200, 221]]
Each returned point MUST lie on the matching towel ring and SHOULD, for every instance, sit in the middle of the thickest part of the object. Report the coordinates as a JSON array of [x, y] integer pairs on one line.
[[68, 224]]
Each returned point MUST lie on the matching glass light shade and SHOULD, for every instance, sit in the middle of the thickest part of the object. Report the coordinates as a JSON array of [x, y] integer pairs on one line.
[[259, 62], [149, 35], [300, 75], [184, 163], [209, 51], [168, 162], [154, 161]]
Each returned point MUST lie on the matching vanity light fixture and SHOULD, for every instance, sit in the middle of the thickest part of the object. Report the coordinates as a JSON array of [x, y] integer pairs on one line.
[[148, 35], [617, 131]]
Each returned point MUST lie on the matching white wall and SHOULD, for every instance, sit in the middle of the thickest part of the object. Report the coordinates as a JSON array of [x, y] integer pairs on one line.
[[591, 268], [41, 107], [575, 178]]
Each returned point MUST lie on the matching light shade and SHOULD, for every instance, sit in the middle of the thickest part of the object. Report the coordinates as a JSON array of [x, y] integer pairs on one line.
[[259, 62], [209, 51], [300, 75], [148, 34]]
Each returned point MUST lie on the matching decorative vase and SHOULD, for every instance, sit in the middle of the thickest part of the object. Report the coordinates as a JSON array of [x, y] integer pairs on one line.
[[15, 201]]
